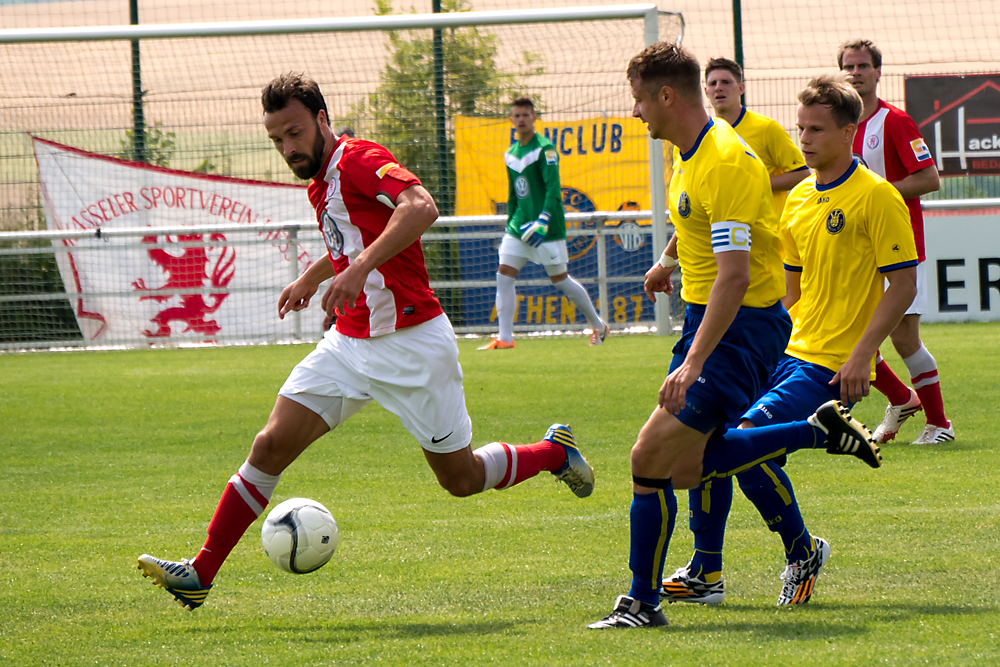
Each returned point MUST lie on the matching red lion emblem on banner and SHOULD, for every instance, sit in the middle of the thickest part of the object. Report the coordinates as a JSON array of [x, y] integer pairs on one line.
[[187, 271]]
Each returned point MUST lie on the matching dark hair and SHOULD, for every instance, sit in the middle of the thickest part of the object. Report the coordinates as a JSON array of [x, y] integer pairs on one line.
[[276, 95], [834, 92], [859, 45], [345, 129], [726, 64], [524, 102], [667, 64]]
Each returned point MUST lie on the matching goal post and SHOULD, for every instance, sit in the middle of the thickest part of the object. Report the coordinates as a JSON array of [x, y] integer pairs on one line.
[[71, 90]]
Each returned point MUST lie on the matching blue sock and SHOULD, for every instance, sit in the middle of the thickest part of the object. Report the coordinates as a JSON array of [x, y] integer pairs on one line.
[[741, 449], [769, 489], [651, 522], [709, 506]]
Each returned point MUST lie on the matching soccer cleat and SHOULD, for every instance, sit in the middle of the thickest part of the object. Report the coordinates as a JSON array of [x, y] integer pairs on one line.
[[497, 344], [597, 336], [800, 575], [631, 613], [932, 434], [682, 587], [179, 579], [895, 415], [576, 472], [845, 434]]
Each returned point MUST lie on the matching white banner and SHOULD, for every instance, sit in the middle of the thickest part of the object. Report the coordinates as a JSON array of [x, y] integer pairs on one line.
[[963, 266], [125, 289]]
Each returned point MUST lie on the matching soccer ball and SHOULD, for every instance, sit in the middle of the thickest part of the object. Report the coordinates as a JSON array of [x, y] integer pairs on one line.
[[299, 536]]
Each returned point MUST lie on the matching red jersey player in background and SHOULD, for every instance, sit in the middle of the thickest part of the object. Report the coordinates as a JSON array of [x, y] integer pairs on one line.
[[392, 342], [890, 145]]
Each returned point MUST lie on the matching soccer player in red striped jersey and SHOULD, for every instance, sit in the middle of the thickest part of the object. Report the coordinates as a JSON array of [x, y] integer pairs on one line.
[[392, 342], [890, 144]]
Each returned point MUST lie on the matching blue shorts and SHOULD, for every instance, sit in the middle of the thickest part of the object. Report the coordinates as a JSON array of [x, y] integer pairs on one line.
[[796, 389], [739, 368]]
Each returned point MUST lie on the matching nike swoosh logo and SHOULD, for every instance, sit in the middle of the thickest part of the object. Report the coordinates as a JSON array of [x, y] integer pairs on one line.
[[435, 441]]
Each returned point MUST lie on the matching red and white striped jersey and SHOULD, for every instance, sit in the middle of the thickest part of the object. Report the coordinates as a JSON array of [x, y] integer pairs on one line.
[[354, 198], [890, 144]]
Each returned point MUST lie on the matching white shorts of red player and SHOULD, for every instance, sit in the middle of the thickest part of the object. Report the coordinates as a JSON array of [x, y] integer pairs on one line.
[[413, 373]]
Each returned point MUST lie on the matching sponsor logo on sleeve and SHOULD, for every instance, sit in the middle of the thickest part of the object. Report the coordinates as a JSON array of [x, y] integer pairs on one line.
[[920, 150], [381, 171], [551, 157]]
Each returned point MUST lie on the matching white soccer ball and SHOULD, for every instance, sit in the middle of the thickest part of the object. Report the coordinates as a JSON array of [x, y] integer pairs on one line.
[[299, 536]]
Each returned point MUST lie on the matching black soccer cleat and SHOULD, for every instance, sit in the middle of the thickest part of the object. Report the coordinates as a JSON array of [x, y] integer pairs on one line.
[[631, 613], [845, 434]]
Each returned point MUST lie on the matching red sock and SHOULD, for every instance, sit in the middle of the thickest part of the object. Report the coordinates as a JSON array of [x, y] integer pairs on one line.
[[890, 385], [240, 505], [526, 461], [930, 396]]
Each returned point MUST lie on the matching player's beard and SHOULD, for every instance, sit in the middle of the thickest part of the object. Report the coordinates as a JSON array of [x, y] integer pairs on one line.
[[313, 163]]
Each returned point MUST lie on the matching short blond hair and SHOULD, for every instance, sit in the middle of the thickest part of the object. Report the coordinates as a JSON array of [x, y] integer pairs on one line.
[[836, 93]]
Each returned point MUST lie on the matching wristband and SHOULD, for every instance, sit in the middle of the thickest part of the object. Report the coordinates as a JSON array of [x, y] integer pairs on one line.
[[666, 261]]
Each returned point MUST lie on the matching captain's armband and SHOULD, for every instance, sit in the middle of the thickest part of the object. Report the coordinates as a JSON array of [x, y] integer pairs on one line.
[[728, 236]]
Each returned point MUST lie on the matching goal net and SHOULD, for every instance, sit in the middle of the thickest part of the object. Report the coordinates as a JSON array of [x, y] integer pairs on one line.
[[114, 141]]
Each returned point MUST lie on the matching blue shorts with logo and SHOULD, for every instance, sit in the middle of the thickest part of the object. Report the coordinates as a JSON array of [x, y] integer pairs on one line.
[[739, 368], [796, 389]]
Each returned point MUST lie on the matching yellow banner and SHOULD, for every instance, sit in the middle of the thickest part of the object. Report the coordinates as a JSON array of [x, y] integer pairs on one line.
[[603, 164]]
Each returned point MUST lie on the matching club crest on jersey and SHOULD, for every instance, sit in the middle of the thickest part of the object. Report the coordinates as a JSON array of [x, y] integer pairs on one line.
[[332, 236], [835, 221], [872, 141], [521, 188], [684, 205]]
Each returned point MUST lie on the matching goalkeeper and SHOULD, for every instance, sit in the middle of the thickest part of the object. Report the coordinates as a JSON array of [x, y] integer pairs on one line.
[[536, 227]]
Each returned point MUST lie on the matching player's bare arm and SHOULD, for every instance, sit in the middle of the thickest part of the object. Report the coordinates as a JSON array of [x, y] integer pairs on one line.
[[793, 288], [724, 302], [297, 295], [658, 276], [787, 181], [414, 214], [854, 375], [919, 183]]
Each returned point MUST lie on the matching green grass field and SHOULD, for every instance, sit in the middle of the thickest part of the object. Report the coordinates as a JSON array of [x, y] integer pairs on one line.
[[112, 454]]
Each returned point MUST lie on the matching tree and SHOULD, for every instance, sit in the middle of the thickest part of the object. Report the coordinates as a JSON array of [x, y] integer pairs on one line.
[[400, 114]]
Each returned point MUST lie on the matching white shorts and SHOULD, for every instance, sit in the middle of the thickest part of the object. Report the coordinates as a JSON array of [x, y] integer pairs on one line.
[[413, 373], [919, 305], [552, 255]]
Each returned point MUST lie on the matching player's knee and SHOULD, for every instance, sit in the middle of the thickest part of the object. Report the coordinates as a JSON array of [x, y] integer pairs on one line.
[[460, 486], [266, 452]]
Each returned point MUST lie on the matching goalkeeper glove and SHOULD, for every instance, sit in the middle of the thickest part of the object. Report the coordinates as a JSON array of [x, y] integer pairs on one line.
[[533, 233]]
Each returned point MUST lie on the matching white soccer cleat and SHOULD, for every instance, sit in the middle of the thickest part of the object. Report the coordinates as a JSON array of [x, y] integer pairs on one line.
[[597, 336], [178, 578], [933, 434], [895, 415]]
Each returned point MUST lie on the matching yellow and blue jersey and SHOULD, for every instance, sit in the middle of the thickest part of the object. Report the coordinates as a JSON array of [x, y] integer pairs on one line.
[[842, 237], [720, 201], [773, 146]]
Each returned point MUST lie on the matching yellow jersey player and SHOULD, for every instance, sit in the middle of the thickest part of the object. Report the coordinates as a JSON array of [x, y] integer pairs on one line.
[[735, 327], [843, 221], [724, 86]]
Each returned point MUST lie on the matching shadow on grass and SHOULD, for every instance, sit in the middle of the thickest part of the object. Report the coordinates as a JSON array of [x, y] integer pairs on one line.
[[382, 628], [816, 621]]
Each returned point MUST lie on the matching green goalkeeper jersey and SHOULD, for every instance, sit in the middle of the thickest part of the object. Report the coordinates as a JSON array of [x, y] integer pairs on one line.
[[533, 187]]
